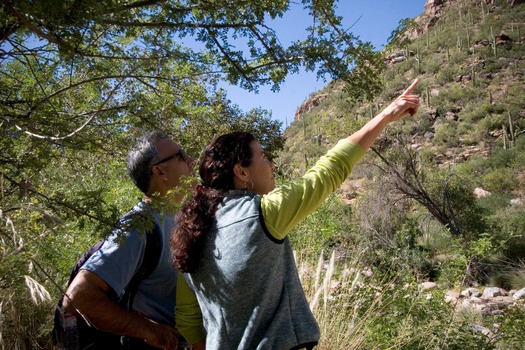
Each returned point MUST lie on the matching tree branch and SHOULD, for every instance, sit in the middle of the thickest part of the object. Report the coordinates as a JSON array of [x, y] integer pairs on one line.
[[59, 202], [10, 6], [180, 25]]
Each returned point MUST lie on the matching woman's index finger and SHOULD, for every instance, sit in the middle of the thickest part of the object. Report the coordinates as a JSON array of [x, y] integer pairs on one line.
[[412, 86]]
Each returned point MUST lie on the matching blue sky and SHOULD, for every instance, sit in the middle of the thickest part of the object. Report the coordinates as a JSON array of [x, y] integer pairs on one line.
[[371, 20]]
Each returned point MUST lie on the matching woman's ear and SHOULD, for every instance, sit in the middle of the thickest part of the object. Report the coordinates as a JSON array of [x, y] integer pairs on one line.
[[240, 172]]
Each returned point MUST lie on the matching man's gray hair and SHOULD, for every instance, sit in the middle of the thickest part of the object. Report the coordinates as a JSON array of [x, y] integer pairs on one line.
[[142, 156]]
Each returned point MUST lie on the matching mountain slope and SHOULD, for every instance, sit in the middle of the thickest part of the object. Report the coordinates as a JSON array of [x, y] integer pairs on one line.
[[447, 185], [469, 57]]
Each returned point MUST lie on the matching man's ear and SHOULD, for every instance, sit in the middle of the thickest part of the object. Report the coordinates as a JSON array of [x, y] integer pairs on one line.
[[158, 170]]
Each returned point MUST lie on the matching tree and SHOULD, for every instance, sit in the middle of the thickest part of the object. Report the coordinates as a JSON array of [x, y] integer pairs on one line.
[[80, 79], [398, 37], [447, 197], [86, 75]]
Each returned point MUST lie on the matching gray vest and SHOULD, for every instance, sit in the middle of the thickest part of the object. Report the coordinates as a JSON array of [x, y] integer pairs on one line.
[[247, 283]]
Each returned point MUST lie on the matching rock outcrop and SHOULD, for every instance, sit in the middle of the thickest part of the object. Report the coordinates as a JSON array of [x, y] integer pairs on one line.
[[434, 10], [308, 105], [488, 301]]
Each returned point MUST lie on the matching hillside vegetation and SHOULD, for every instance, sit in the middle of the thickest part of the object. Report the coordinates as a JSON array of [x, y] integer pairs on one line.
[[442, 195]]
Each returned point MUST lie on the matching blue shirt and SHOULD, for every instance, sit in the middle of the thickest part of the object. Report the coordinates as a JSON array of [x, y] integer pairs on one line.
[[119, 258]]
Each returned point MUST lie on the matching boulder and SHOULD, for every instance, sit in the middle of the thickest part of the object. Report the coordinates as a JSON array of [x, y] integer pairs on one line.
[[480, 193], [428, 285], [492, 292], [471, 292], [520, 294]]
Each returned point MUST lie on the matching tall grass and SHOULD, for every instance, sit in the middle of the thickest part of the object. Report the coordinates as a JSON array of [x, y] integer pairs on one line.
[[359, 309]]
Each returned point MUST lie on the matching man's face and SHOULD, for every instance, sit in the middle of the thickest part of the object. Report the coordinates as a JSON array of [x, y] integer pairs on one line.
[[174, 164]]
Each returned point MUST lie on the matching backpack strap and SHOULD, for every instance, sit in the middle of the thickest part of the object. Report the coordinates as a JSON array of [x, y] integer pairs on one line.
[[82, 260], [150, 261]]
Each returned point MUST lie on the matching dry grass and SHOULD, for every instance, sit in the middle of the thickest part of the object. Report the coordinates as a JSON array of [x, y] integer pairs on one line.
[[341, 325], [351, 305]]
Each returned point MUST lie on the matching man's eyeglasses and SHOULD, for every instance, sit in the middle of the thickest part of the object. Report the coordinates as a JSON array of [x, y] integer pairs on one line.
[[181, 154]]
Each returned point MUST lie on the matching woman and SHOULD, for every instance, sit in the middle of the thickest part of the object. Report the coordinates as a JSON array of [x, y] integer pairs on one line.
[[231, 237]]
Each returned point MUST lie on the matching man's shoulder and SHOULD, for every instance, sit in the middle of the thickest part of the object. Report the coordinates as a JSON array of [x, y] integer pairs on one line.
[[141, 218]]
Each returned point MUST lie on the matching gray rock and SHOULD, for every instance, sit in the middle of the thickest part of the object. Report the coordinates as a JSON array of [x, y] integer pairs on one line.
[[429, 135], [491, 292], [428, 285], [520, 294], [476, 300], [469, 292], [483, 330], [450, 299]]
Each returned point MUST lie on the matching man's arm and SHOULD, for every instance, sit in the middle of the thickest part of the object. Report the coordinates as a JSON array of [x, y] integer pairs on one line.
[[89, 294]]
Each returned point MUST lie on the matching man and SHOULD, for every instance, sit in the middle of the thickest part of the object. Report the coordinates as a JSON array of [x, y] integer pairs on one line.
[[157, 166]]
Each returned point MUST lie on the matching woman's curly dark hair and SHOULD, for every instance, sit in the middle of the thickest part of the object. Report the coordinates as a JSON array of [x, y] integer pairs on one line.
[[198, 214]]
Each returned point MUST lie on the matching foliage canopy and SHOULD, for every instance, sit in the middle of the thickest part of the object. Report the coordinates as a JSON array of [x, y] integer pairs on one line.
[[81, 79]]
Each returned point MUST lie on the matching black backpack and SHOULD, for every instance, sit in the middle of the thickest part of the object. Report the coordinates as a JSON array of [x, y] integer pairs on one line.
[[90, 337]]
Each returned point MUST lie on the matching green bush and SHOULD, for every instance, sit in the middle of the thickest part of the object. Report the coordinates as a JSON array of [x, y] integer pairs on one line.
[[431, 65], [508, 224], [503, 158], [328, 226], [446, 75], [494, 202], [500, 180], [446, 133], [490, 122], [510, 334], [507, 275]]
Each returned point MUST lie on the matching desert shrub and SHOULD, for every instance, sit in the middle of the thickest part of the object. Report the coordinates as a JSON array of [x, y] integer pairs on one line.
[[509, 275], [502, 158], [398, 250], [470, 136], [508, 224], [451, 264], [494, 202], [458, 58], [499, 180], [446, 133], [469, 261], [431, 65], [435, 237], [328, 226], [495, 64], [473, 168], [519, 145], [510, 334], [500, 174], [394, 82], [476, 111], [490, 122], [446, 75], [458, 95]]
